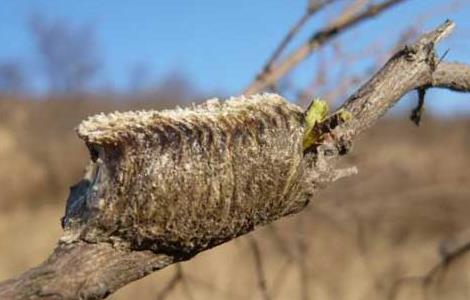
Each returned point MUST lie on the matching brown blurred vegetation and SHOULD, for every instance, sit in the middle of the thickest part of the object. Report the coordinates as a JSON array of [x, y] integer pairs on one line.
[[367, 237]]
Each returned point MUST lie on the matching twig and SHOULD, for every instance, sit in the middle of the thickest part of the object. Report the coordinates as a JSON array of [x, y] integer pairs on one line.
[[343, 83], [318, 39], [446, 262], [185, 286], [279, 278], [262, 286], [278, 241], [301, 259], [165, 292], [432, 277], [397, 285], [283, 247], [417, 112], [311, 10], [352, 8], [411, 68]]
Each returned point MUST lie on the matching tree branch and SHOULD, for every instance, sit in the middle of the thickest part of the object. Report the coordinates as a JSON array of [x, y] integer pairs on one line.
[[165, 292], [83, 271], [452, 260], [164, 186], [262, 286], [270, 75], [311, 10], [452, 76], [415, 66]]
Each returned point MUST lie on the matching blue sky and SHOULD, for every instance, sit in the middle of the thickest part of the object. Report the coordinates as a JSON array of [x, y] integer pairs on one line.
[[218, 45]]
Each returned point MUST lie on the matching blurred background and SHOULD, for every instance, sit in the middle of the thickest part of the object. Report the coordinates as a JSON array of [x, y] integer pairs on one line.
[[400, 229]]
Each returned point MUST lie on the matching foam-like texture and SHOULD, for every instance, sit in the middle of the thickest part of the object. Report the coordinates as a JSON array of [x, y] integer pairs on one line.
[[188, 179]]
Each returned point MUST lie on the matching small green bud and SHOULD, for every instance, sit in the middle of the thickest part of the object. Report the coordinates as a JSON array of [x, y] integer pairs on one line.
[[316, 112]]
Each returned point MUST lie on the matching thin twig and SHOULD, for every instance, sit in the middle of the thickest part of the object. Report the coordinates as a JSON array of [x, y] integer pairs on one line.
[[279, 278], [317, 40], [186, 288], [449, 259], [432, 276], [301, 260], [352, 8], [280, 244], [171, 285], [418, 111], [311, 10], [259, 267]]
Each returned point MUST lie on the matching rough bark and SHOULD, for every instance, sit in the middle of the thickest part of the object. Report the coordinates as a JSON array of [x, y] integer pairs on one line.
[[83, 271], [415, 66], [114, 232]]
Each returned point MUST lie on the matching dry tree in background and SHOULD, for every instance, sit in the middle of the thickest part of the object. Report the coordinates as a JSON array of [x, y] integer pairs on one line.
[[162, 187]]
